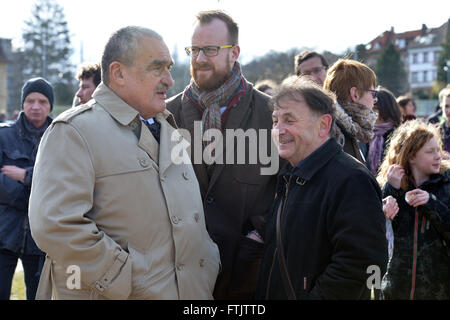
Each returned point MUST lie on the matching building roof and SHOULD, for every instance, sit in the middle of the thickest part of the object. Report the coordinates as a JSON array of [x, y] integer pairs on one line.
[[424, 37]]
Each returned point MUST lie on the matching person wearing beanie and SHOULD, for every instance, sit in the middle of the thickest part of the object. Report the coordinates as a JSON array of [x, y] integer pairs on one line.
[[19, 143]]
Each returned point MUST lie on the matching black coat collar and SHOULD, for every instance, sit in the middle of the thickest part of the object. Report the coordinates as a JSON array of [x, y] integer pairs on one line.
[[313, 163]]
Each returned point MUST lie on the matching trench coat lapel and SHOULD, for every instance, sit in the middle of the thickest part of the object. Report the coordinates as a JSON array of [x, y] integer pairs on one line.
[[148, 143], [168, 140], [190, 114]]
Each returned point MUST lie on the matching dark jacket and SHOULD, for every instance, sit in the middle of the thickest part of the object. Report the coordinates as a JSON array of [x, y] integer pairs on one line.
[[351, 145], [236, 196], [19, 142], [420, 240], [333, 229]]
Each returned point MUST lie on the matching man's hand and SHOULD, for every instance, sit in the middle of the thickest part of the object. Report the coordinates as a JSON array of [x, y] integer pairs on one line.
[[417, 197], [14, 173], [390, 207], [395, 175]]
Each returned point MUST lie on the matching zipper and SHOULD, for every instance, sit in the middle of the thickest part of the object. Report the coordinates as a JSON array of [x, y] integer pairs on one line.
[[282, 204], [416, 231]]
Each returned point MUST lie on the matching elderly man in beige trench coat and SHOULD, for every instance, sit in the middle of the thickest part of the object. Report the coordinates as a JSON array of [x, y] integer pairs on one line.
[[108, 204]]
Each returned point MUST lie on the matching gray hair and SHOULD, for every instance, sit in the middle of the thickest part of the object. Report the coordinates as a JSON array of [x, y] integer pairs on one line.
[[302, 89], [122, 46]]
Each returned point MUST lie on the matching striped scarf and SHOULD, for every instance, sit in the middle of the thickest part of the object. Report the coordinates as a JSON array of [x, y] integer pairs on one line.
[[210, 101]]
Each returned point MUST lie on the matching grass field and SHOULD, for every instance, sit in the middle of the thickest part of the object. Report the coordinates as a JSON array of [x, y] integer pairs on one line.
[[18, 286]]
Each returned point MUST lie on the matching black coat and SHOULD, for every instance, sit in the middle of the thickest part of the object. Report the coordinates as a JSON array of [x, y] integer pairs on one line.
[[19, 143], [428, 228], [333, 229]]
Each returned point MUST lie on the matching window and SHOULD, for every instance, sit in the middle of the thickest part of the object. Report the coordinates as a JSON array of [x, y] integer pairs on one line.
[[425, 57], [436, 56], [425, 76], [414, 58], [414, 77]]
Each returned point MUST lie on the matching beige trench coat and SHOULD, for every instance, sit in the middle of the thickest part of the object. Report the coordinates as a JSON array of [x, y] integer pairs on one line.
[[106, 199]]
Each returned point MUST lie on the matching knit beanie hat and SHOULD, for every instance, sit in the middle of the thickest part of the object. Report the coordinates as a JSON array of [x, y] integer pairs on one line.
[[38, 85]]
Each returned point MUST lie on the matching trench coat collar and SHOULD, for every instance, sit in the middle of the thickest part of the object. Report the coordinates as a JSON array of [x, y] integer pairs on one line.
[[128, 116], [114, 105], [312, 164]]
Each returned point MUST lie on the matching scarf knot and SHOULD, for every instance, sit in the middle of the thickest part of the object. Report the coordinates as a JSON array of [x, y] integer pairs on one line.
[[211, 101]]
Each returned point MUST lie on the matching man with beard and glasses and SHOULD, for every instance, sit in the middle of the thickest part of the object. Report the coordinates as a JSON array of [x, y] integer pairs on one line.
[[107, 202], [236, 197]]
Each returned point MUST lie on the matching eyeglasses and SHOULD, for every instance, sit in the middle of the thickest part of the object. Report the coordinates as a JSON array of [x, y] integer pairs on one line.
[[373, 92], [209, 51], [314, 71]]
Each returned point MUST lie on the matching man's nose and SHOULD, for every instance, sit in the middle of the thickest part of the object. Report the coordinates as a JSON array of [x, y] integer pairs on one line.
[[167, 79], [201, 57]]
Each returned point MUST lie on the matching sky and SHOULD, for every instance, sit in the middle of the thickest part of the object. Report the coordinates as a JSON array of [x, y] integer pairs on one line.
[[264, 25]]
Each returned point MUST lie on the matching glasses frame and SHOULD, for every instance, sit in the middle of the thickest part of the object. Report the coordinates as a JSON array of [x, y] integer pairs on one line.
[[190, 54], [315, 71], [373, 92]]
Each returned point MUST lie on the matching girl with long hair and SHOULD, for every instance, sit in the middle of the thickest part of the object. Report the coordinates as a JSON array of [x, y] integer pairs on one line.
[[415, 174]]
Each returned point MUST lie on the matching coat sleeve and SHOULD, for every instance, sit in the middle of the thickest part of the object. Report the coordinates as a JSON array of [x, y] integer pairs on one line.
[[357, 232], [439, 214], [13, 193], [62, 193], [399, 195]]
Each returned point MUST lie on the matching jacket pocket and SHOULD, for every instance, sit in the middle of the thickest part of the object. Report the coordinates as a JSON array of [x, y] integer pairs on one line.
[[16, 157]]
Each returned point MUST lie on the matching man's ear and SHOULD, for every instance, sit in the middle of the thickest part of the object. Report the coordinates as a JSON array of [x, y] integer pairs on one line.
[[116, 73], [325, 121], [354, 94], [235, 51]]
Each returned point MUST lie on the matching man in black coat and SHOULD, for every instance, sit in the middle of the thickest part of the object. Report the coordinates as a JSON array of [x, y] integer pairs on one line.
[[325, 238], [19, 143]]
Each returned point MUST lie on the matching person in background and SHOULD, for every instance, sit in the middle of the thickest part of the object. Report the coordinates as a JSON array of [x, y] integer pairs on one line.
[[354, 84], [312, 64], [407, 107], [326, 225], [444, 103], [389, 118], [414, 173], [19, 143], [89, 76], [267, 86]]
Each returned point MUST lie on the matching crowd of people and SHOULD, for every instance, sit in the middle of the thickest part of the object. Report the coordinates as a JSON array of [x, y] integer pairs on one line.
[[361, 183]]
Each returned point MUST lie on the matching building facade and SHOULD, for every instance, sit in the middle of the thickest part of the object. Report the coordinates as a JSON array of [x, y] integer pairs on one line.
[[419, 50]]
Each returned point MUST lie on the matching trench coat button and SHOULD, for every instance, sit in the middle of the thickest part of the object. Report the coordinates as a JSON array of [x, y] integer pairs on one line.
[[99, 286], [209, 200], [185, 175], [202, 262], [143, 162], [175, 219], [180, 266], [196, 217]]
